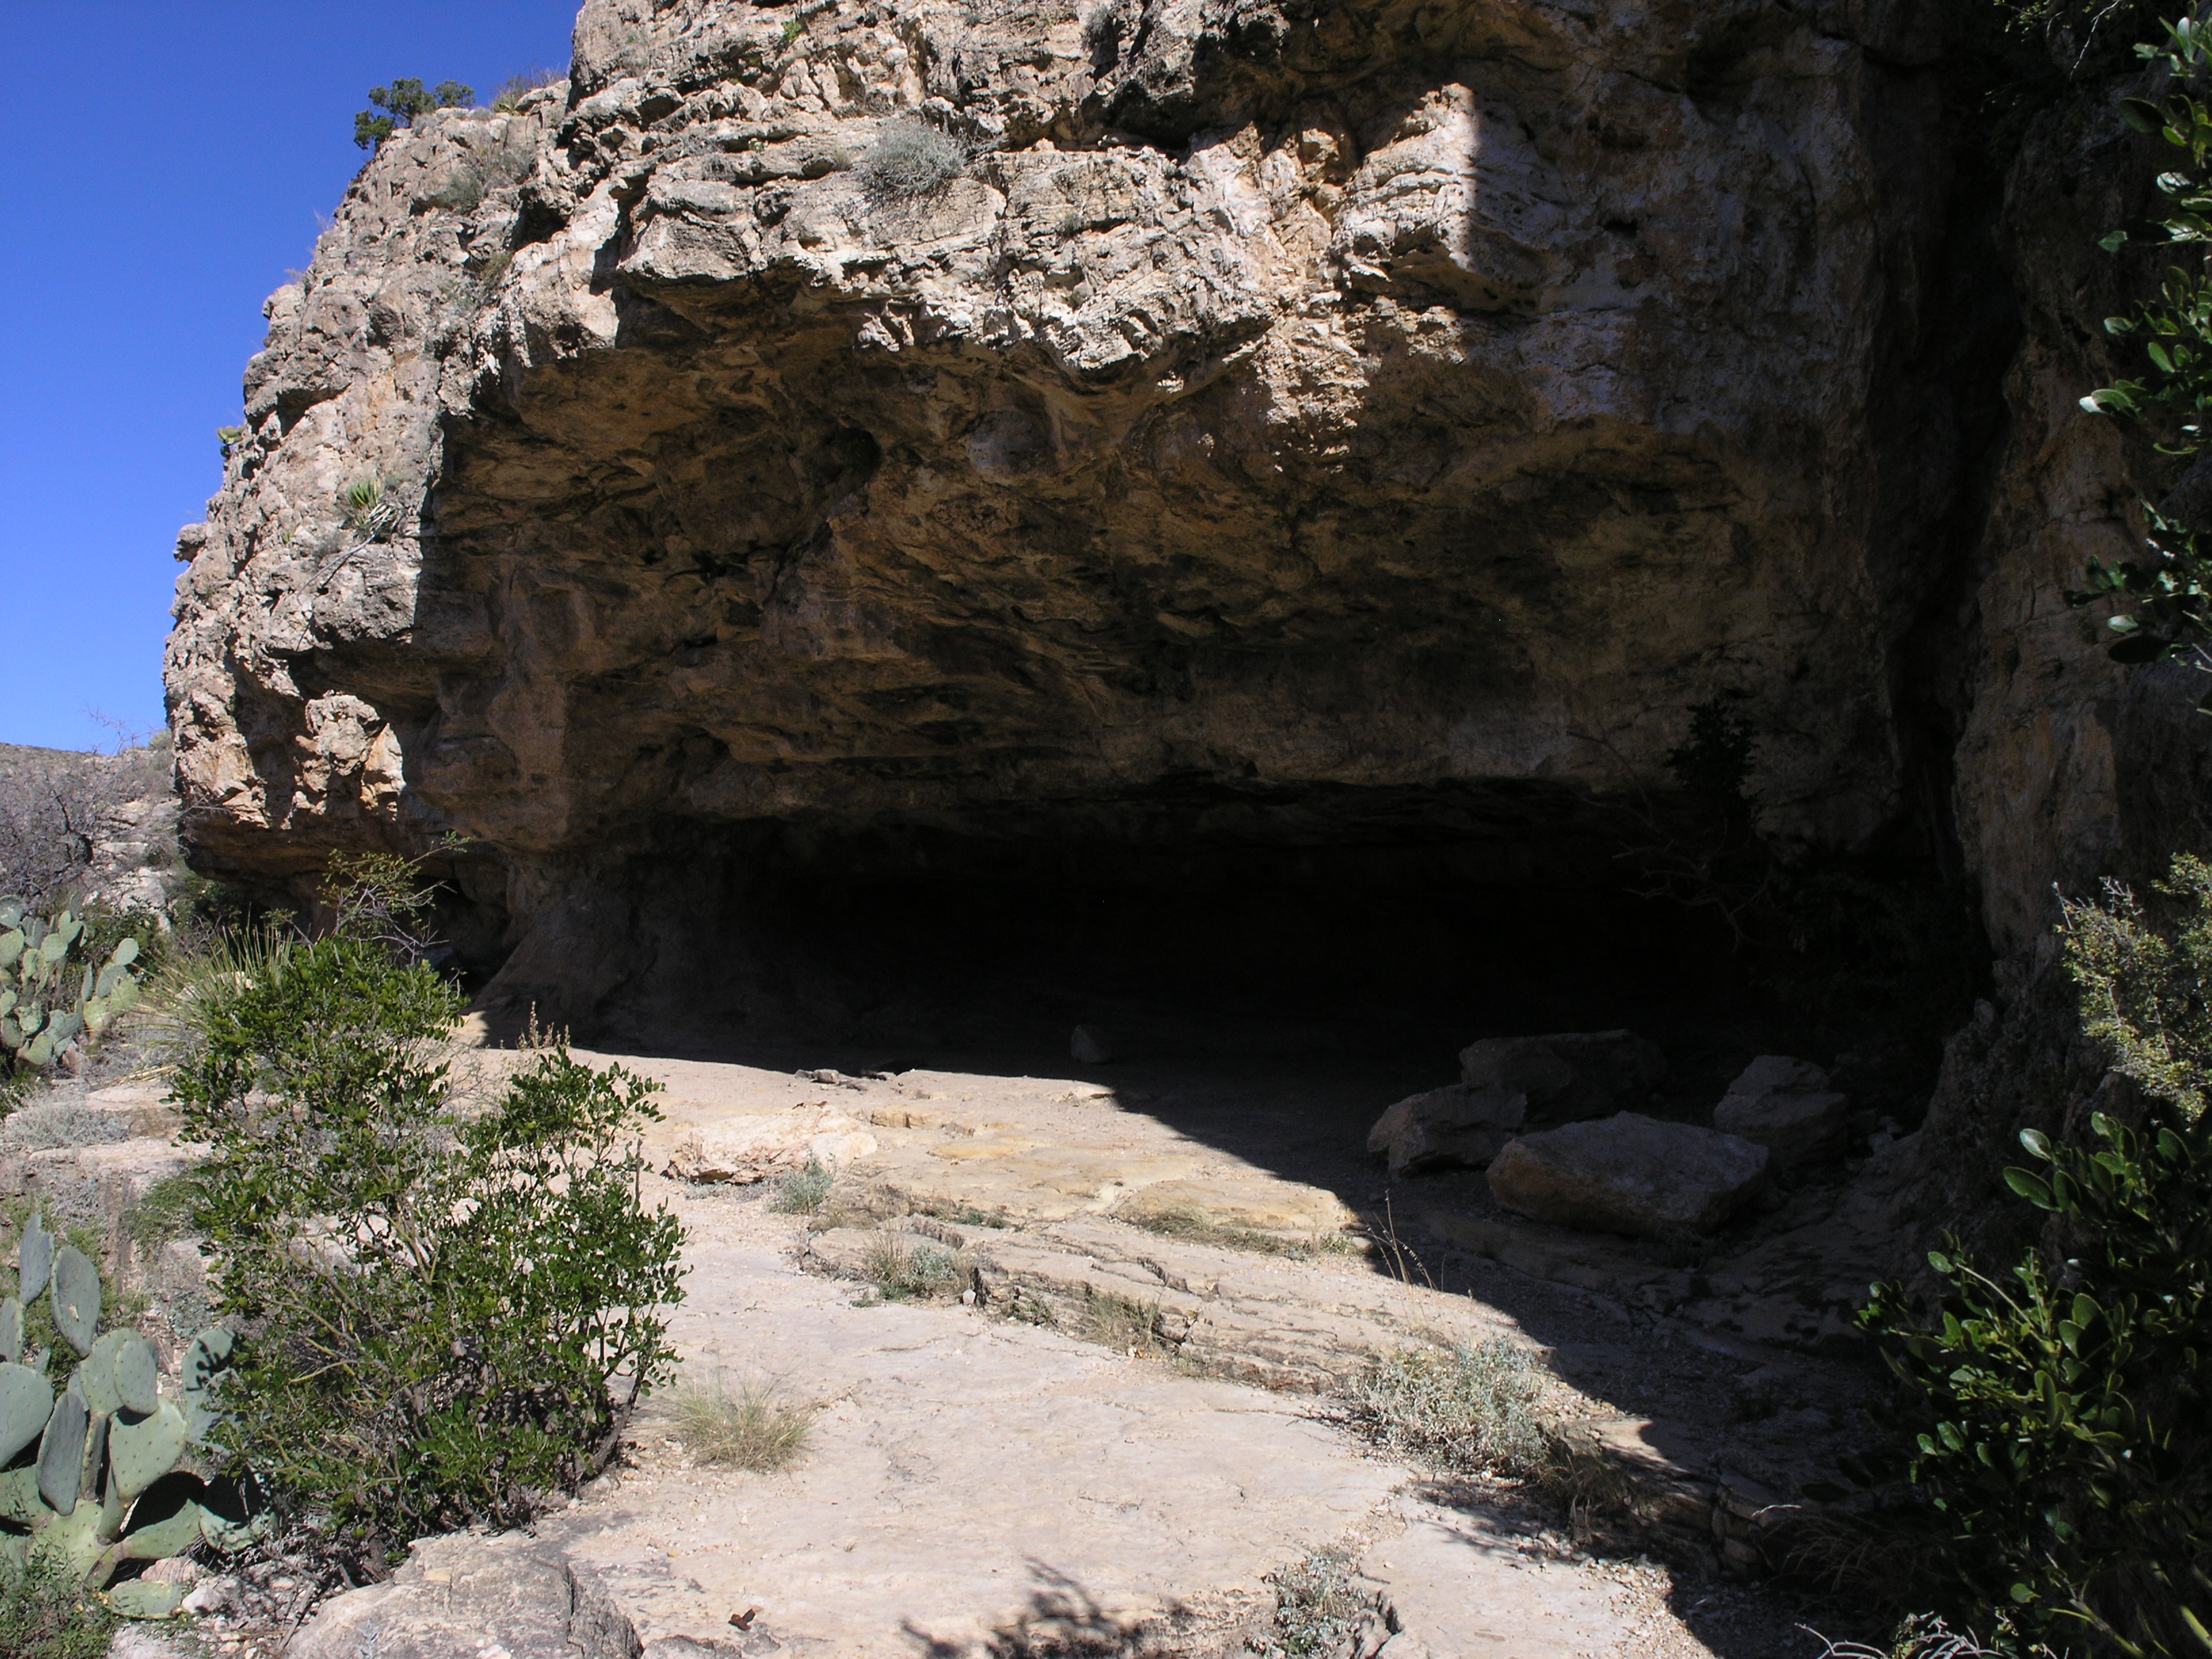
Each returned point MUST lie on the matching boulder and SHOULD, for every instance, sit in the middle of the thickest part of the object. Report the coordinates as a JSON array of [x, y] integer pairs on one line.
[[1459, 1125], [465, 1597], [1629, 1174], [751, 1149], [1569, 1075], [1788, 1107]]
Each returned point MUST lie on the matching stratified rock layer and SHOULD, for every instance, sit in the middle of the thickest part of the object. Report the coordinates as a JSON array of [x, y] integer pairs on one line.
[[1288, 420]]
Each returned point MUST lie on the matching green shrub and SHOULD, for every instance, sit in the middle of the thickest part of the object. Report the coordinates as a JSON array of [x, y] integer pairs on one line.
[[2164, 597], [2059, 1411], [435, 1308], [47, 1612], [911, 160], [404, 103]]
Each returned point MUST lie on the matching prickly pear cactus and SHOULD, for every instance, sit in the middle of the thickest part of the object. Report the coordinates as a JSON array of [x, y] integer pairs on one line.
[[102, 1472], [51, 1004]]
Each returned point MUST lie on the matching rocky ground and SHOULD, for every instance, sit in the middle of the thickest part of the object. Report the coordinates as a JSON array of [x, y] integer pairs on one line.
[[1114, 1426]]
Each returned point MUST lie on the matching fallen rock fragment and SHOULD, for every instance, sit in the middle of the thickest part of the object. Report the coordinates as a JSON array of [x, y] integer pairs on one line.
[[463, 1597], [1629, 1174], [750, 1150], [1464, 1125], [1568, 1076], [1788, 1107]]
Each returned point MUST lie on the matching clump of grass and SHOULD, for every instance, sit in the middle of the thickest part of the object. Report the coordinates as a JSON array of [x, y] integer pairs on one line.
[[55, 1124], [1117, 1321], [1472, 1408], [47, 1612], [911, 160], [904, 1272], [803, 1191], [519, 85], [1194, 1227], [1316, 1607], [757, 1428], [163, 1214]]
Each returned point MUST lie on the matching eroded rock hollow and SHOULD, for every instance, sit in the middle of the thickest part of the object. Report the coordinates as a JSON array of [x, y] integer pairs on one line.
[[1282, 447]]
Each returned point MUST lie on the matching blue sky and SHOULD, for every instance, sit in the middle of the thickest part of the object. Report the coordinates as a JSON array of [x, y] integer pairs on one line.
[[165, 165]]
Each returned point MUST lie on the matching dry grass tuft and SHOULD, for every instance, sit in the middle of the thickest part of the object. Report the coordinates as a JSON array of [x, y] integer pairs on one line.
[[1467, 1409], [757, 1428], [1194, 1226]]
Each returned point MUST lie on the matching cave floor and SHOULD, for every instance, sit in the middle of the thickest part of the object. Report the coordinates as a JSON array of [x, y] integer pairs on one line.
[[976, 1472]]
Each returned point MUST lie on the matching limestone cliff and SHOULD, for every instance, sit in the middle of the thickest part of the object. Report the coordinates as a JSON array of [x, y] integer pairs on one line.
[[1293, 424]]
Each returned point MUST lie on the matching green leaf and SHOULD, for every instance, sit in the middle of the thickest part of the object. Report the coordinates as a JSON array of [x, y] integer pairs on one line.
[[2033, 1188], [2142, 114], [2113, 241]]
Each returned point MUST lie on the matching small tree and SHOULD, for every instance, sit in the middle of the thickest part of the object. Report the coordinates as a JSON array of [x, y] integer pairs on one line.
[[404, 103]]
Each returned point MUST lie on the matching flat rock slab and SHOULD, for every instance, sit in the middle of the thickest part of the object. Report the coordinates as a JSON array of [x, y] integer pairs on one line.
[[964, 1468], [1629, 1174]]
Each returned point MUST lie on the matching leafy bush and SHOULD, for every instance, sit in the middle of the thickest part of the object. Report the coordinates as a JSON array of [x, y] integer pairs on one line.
[[434, 1307], [404, 103], [2060, 1410], [2167, 595], [758, 1428], [1473, 1408], [911, 160]]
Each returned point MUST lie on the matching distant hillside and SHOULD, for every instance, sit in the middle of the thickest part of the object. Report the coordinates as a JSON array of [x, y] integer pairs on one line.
[[75, 824]]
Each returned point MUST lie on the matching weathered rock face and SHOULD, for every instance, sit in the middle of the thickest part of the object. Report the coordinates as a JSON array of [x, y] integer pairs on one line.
[[1293, 425]]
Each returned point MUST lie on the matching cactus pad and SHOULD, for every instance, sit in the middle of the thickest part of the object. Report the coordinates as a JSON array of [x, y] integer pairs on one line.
[[137, 1374], [27, 1401], [19, 1496], [209, 1354], [140, 1453], [76, 1298], [96, 1455], [11, 1331], [95, 1378], [61, 1453], [143, 1598], [34, 1257]]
